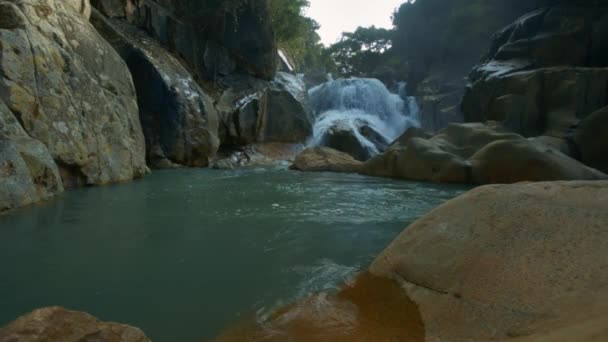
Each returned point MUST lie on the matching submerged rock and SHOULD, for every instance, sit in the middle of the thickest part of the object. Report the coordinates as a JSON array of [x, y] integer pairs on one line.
[[525, 260], [58, 324], [325, 159], [179, 119], [69, 90]]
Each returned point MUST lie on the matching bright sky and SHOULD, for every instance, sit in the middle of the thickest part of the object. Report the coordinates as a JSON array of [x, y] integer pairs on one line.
[[337, 16]]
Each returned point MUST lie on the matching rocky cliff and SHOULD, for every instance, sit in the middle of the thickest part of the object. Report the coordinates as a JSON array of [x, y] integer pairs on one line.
[[67, 103]]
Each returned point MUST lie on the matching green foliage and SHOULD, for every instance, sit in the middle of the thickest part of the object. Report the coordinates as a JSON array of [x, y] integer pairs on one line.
[[361, 52], [297, 34]]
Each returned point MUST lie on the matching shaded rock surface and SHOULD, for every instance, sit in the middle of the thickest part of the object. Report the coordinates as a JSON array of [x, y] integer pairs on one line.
[[58, 324], [325, 159], [179, 119], [525, 260], [477, 153], [276, 112], [358, 139], [439, 103], [591, 140], [544, 73], [231, 41], [68, 90]]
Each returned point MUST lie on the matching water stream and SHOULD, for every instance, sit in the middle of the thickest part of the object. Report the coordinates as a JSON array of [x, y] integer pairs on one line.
[[357, 102], [185, 253]]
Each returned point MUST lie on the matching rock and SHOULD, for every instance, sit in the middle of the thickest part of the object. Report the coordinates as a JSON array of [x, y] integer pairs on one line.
[[325, 159], [412, 132], [259, 154], [439, 103], [69, 90], [179, 119], [591, 140], [358, 140], [279, 112], [442, 158], [58, 324], [479, 154], [544, 73], [524, 260], [512, 161], [236, 37], [539, 102]]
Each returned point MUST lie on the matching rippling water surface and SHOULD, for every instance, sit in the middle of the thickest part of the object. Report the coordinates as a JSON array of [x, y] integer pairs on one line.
[[182, 254]]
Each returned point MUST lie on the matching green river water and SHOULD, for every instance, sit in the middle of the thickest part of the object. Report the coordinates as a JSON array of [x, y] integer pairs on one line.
[[183, 254]]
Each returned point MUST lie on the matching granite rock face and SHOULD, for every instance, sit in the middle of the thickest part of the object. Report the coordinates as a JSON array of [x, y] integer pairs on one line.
[[67, 103], [545, 72]]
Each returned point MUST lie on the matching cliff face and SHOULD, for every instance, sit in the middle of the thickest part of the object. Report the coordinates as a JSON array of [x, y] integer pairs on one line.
[[545, 75], [65, 95], [212, 37]]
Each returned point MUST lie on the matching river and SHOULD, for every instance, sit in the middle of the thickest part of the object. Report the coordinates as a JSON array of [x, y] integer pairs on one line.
[[182, 254]]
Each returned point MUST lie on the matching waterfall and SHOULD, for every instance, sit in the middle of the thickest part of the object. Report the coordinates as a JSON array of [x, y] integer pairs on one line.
[[358, 105]]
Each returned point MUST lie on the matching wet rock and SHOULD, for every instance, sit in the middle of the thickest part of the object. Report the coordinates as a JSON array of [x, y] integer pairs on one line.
[[58, 324], [260, 154], [325, 159], [507, 261], [279, 112], [368, 309], [179, 119], [358, 140], [70, 91]]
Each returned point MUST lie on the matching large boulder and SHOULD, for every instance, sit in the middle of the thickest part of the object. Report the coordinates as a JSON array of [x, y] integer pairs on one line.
[[525, 261], [479, 154], [179, 119], [325, 159], [215, 38], [58, 324], [591, 140], [357, 138], [512, 161], [276, 112], [70, 91]]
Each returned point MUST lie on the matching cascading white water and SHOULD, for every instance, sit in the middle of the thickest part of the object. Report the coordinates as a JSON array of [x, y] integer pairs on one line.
[[357, 102]]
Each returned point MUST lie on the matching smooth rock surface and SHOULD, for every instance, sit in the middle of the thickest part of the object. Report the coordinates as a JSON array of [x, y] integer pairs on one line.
[[57, 324], [504, 261], [325, 159], [478, 154]]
